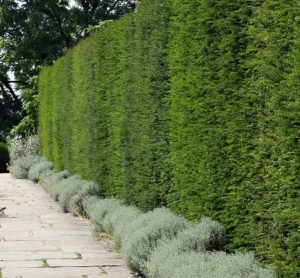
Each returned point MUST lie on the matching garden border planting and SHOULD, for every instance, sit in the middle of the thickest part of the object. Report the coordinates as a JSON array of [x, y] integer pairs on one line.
[[146, 240]]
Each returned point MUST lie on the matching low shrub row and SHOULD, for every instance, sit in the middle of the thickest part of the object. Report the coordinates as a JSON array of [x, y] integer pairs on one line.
[[156, 244], [20, 167]]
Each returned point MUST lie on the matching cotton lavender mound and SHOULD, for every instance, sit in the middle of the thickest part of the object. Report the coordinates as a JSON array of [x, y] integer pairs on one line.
[[123, 219], [56, 177], [58, 188], [116, 219], [206, 236], [40, 170], [211, 265], [20, 167], [88, 204], [87, 189], [141, 237], [98, 209], [66, 193]]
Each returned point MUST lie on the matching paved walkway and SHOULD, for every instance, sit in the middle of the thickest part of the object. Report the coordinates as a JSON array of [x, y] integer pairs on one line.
[[38, 240]]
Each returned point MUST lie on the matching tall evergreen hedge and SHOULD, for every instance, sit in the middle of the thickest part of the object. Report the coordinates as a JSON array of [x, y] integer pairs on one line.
[[193, 105], [107, 115]]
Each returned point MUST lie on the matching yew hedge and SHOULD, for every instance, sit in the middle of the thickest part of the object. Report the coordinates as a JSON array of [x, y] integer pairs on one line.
[[192, 105]]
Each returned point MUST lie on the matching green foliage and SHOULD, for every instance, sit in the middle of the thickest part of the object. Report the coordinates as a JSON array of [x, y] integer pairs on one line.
[[233, 141], [189, 104], [28, 124], [146, 108], [10, 110], [35, 33], [111, 125], [4, 157]]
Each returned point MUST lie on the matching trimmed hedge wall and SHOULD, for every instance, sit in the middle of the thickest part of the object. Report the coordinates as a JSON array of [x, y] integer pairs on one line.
[[234, 137], [107, 113], [190, 104]]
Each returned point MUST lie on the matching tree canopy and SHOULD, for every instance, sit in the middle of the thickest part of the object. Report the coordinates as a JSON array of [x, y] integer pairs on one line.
[[35, 33]]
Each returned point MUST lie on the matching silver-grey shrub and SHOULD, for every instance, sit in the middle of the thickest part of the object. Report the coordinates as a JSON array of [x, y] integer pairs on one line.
[[87, 189], [89, 203], [72, 186], [116, 219], [142, 236], [50, 180], [212, 265], [97, 209], [23, 146], [20, 167], [40, 170], [62, 185], [206, 236]]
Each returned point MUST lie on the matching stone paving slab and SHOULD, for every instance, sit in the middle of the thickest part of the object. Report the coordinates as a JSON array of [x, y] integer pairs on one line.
[[25, 245], [38, 240], [35, 255], [85, 262], [18, 264], [59, 272]]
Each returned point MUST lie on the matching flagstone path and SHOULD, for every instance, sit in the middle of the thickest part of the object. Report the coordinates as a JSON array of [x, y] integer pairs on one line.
[[38, 240]]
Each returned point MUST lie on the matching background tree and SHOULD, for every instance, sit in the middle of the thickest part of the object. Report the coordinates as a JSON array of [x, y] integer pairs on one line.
[[10, 104], [35, 33]]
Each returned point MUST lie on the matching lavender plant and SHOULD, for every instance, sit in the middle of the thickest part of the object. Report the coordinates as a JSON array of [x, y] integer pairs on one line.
[[98, 210], [50, 180], [211, 265], [63, 185], [87, 189], [141, 237], [21, 166], [206, 236], [40, 170]]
